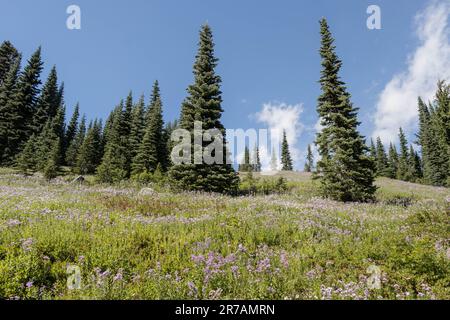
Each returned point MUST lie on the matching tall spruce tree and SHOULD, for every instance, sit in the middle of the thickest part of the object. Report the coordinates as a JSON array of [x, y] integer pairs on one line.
[[75, 144], [345, 170], [47, 104], [115, 165], [425, 140], [414, 165], [440, 136], [28, 93], [382, 159], [10, 116], [309, 164], [137, 126], [403, 163], [392, 162], [90, 153], [152, 150], [45, 146], [286, 159], [204, 104], [71, 130], [8, 57]]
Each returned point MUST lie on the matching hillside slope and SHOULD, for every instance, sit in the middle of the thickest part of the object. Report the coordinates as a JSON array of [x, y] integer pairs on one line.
[[199, 246]]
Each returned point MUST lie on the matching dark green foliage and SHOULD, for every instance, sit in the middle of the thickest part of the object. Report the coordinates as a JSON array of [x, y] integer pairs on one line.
[[115, 165], [153, 148], [286, 160], [250, 185], [309, 164], [10, 116], [45, 147], [90, 153], [26, 160], [51, 167], [47, 104], [75, 144], [345, 169], [28, 93], [8, 58], [245, 166], [392, 162], [434, 137], [382, 161], [137, 126], [403, 164], [204, 104], [414, 165], [71, 130]]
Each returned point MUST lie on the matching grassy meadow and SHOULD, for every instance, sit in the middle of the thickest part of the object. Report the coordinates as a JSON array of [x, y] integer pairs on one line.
[[164, 245]]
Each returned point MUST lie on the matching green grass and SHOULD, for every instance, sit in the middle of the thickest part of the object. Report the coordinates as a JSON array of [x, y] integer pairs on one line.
[[199, 246]]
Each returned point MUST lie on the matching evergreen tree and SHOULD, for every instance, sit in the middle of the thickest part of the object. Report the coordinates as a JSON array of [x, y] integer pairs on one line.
[[381, 159], [245, 166], [392, 162], [90, 153], [26, 160], [424, 140], [51, 167], [137, 126], [256, 161], [47, 104], [72, 128], [439, 127], [286, 160], [28, 93], [8, 59], [75, 144], [403, 164], [204, 104], [345, 170], [115, 164], [153, 150], [46, 149], [414, 165], [309, 165], [10, 116]]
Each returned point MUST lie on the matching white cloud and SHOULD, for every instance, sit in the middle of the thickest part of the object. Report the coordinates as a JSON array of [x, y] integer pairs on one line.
[[279, 116], [430, 62]]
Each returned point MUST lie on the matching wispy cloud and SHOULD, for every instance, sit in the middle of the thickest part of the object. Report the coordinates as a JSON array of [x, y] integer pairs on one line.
[[430, 62], [279, 116]]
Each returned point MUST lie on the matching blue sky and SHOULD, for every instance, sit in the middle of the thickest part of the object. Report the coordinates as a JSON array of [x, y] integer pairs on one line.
[[268, 51]]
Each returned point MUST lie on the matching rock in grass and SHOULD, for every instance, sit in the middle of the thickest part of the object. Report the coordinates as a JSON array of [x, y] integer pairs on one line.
[[78, 180], [147, 192]]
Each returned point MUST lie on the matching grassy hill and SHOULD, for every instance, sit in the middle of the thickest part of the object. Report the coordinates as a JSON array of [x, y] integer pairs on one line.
[[163, 245]]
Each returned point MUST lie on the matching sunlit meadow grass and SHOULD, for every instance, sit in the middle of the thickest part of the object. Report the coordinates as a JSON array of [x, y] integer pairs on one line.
[[199, 246]]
